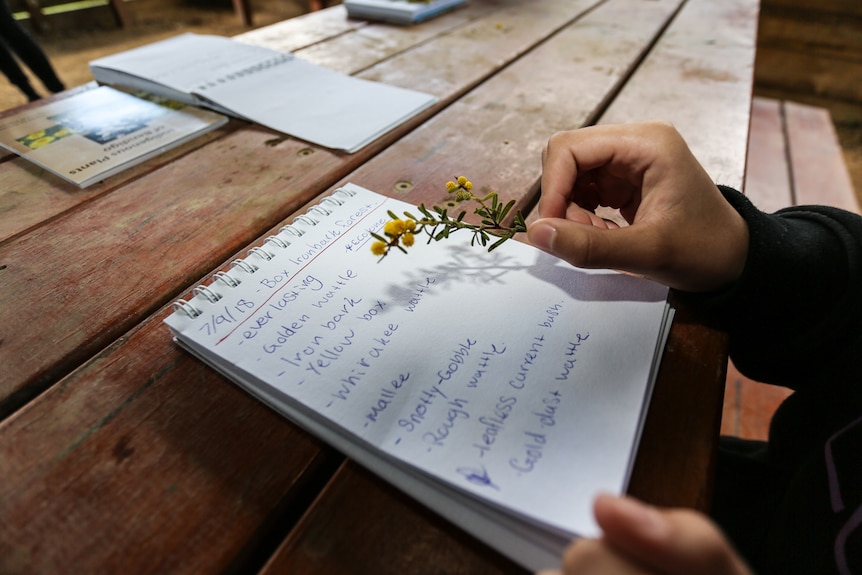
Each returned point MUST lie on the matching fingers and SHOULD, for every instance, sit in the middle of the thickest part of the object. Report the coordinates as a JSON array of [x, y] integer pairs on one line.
[[598, 165], [596, 557], [672, 542], [681, 232], [590, 242]]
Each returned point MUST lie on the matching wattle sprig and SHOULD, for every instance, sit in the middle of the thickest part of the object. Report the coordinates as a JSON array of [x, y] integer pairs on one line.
[[400, 233]]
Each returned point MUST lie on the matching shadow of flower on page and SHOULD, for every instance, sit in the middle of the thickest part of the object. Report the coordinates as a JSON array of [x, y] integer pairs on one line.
[[594, 285]]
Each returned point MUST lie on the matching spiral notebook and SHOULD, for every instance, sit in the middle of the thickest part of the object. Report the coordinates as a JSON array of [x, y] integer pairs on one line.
[[502, 389], [275, 89]]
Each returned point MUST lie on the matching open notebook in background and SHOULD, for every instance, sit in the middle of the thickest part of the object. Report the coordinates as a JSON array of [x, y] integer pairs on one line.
[[502, 389], [272, 88]]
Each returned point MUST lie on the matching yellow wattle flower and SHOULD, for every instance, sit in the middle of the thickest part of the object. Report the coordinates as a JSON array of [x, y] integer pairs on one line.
[[378, 248], [394, 227], [407, 239]]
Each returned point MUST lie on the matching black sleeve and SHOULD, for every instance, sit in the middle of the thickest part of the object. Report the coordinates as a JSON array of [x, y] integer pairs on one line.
[[796, 311]]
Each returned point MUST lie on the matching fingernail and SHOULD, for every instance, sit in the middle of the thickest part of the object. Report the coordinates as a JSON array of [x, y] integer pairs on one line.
[[542, 235]]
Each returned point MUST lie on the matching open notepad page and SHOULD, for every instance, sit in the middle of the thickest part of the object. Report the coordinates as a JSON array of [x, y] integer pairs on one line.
[[274, 89], [503, 389]]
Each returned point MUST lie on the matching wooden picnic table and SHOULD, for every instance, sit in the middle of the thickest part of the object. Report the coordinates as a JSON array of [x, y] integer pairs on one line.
[[121, 453]]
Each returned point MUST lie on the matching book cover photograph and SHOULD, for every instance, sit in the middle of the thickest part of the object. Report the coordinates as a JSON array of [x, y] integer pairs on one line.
[[95, 134]]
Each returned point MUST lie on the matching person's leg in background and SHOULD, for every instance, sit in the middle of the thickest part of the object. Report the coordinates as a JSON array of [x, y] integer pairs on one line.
[[14, 38]]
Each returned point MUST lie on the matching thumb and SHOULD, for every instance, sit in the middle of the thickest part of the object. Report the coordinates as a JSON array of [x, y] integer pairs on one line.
[[588, 246], [673, 541]]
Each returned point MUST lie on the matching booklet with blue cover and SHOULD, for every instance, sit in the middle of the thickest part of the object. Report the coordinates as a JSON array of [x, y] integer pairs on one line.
[[399, 11]]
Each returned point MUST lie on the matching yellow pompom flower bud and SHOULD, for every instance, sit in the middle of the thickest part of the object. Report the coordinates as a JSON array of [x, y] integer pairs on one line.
[[407, 239], [410, 225], [394, 227], [378, 248], [462, 180], [468, 184], [451, 186]]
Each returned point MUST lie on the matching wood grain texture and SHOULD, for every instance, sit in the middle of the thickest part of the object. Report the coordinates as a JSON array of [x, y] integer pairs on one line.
[[146, 461], [699, 77], [121, 454], [749, 405], [811, 47], [675, 438], [681, 431], [495, 133], [793, 158], [103, 268], [767, 176], [31, 195], [820, 175], [302, 31], [362, 525]]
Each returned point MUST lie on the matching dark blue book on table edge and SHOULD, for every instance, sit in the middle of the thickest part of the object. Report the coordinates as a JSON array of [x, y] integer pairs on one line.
[[398, 11]]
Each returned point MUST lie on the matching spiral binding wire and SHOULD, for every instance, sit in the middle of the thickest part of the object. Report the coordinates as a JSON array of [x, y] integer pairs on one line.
[[266, 252]]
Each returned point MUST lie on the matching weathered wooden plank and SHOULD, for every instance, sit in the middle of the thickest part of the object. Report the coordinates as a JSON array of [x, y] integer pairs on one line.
[[783, 133], [681, 430], [303, 31], [385, 533], [846, 7], [767, 177], [820, 175], [699, 77], [27, 200], [811, 47], [146, 461], [805, 72], [528, 105], [71, 451], [358, 44], [148, 240], [828, 34], [70, 443], [693, 351], [496, 133], [749, 405], [31, 195]]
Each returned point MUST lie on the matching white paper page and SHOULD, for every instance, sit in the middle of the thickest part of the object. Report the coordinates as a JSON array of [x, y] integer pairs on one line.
[[509, 375], [187, 62], [272, 88], [318, 105]]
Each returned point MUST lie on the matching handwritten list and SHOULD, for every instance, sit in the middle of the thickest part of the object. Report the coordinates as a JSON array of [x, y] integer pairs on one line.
[[508, 376]]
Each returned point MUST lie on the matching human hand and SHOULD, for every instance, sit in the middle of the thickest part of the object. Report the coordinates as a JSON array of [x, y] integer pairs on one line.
[[643, 540], [681, 232]]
